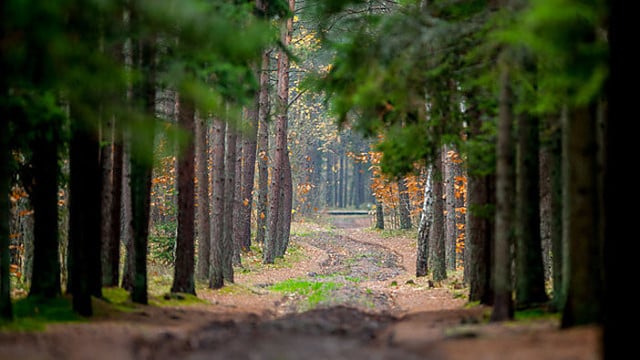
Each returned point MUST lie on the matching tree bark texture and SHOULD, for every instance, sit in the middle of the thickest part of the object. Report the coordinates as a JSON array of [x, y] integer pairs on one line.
[[404, 205], [6, 311], [248, 174], [503, 301], [436, 238], [228, 243], [216, 277], [581, 220], [263, 151], [426, 219], [530, 288], [184, 279], [203, 213]]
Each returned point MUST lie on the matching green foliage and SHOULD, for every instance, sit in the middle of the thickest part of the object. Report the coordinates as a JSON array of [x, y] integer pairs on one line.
[[162, 243]]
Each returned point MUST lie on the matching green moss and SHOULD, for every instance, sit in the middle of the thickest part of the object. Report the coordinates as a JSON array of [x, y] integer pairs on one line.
[[33, 314], [535, 314]]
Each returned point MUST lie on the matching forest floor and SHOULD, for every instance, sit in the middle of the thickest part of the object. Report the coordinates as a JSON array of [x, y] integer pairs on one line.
[[345, 292]]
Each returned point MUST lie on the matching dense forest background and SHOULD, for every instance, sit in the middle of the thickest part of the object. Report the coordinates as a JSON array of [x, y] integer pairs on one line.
[[188, 133]]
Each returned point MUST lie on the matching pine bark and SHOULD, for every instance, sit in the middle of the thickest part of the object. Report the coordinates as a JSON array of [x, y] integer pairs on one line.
[[530, 288], [405, 205], [216, 277], [228, 243], [426, 220], [184, 279], [248, 174], [503, 301], [203, 218], [6, 312], [436, 237], [583, 267], [263, 151]]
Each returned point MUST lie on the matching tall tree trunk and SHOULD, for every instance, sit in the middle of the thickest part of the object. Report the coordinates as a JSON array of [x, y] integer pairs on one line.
[[424, 228], [6, 312], [555, 175], [582, 227], [45, 280], [183, 279], [237, 202], [129, 267], [449, 208], [545, 210], [216, 276], [478, 229], [228, 243], [618, 143], [503, 301], [84, 221], [436, 239], [106, 164], [113, 255], [530, 290], [203, 218], [404, 205], [286, 206], [263, 150], [141, 173], [275, 220], [248, 174], [379, 216]]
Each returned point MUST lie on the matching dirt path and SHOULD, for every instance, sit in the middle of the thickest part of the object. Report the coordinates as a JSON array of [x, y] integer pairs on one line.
[[372, 307]]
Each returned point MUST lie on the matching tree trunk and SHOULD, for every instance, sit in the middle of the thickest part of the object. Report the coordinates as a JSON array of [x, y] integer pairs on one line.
[[141, 173], [228, 243], [287, 204], [263, 151], [545, 211], [436, 239], [248, 174], [216, 277], [113, 256], [404, 205], [478, 229], [379, 216], [129, 268], [503, 301], [45, 280], [426, 219], [555, 174], [581, 213], [281, 151], [6, 312], [530, 290], [449, 208], [203, 218], [237, 203], [183, 279], [85, 210], [106, 164]]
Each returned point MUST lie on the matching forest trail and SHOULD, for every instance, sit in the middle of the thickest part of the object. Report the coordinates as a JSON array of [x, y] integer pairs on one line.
[[366, 304]]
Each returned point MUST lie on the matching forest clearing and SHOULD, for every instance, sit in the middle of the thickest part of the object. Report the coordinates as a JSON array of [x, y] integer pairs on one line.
[[377, 309]]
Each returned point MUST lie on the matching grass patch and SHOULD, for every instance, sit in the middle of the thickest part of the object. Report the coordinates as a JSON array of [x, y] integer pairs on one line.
[[535, 314], [314, 291], [394, 233], [33, 314]]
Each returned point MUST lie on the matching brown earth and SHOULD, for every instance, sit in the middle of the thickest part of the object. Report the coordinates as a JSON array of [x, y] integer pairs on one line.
[[379, 310]]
